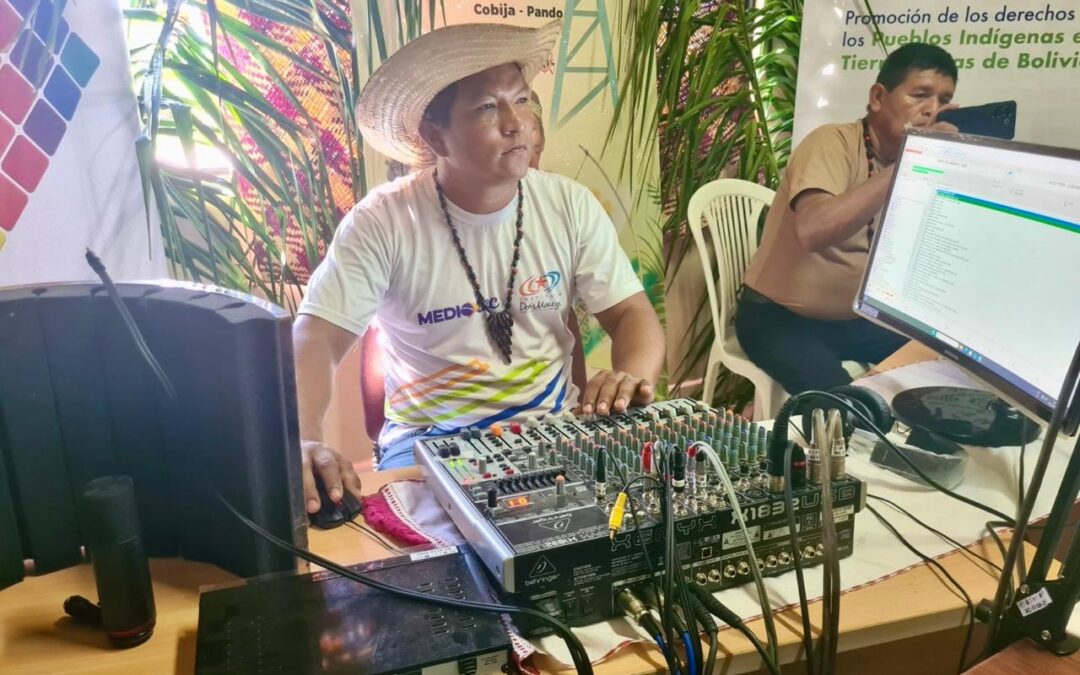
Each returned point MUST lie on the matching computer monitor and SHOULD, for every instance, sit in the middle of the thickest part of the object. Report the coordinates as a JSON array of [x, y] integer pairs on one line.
[[978, 256]]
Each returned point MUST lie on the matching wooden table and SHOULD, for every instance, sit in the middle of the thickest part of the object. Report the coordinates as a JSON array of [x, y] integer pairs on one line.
[[1025, 657], [904, 624]]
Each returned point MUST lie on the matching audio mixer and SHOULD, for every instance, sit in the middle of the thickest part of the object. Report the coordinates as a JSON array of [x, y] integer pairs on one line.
[[534, 498]]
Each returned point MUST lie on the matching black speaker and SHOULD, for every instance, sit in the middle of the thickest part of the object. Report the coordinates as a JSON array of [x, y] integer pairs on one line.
[[121, 569]]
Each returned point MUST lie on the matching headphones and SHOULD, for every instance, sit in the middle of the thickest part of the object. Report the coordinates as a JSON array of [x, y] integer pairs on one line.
[[866, 401]]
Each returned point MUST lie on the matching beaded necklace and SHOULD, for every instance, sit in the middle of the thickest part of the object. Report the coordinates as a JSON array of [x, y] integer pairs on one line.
[[499, 323], [869, 171]]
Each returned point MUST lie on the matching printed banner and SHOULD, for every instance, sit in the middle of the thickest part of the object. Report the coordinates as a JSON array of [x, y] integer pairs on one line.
[[1022, 50], [69, 179]]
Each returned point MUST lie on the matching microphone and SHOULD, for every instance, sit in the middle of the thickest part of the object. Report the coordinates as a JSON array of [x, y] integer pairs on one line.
[[121, 569]]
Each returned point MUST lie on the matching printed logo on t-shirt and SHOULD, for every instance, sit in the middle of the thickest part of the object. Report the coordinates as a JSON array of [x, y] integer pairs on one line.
[[537, 293], [541, 283], [462, 311]]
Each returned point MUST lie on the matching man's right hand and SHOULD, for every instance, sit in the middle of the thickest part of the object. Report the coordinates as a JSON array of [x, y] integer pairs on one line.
[[937, 125], [335, 473]]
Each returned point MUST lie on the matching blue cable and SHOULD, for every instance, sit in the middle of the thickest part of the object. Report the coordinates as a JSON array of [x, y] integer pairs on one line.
[[664, 650], [691, 661]]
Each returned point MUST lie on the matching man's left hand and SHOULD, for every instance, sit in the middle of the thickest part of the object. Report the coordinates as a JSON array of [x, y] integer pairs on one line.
[[613, 391]]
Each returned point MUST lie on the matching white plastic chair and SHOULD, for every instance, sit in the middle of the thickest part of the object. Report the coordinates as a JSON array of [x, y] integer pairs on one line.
[[729, 211]]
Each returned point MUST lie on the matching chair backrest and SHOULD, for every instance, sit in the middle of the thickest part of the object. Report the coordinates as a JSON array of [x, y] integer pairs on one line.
[[729, 209]]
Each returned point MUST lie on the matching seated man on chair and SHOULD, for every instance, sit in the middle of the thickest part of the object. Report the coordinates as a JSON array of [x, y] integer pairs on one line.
[[469, 264], [795, 319]]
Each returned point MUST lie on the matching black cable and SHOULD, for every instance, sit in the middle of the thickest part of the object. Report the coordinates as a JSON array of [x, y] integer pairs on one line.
[[939, 533], [754, 640], [684, 598], [721, 611], [780, 436], [804, 605], [710, 663], [129, 321], [669, 561], [930, 561], [371, 533], [691, 620], [706, 620], [649, 624], [577, 651], [638, 530]]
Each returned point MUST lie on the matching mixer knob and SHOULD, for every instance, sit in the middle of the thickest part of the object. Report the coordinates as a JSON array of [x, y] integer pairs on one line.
[[444, 452], [515, 428]]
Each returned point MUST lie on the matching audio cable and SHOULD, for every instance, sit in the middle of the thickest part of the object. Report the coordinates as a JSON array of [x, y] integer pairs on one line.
[[796, 548], [634, 608], [940, 568], [705, 620], [941, 535], [691, 663], [129, 321], [722, 612], [759, 583], [826, 437]]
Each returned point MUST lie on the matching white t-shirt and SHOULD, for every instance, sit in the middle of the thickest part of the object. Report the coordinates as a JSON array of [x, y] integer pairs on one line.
[[393, 260]]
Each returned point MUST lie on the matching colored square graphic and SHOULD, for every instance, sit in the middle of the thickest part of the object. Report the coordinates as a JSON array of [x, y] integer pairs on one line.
[[31, 58], [12, 202], [79, 59], [18, 94], [62, 92], [43, 22], [9, 24], [22, 6], [45, 127], [36, 96], [25, 164], [7, 132]]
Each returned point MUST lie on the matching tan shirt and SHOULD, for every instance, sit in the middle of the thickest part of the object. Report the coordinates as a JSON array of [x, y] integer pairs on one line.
[[818, 285]]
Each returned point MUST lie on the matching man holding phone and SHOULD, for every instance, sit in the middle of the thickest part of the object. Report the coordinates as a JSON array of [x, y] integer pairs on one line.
[[795, 319]]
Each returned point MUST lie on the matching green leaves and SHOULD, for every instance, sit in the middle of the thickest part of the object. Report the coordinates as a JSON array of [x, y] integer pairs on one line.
[[714, 85], [261, 84]]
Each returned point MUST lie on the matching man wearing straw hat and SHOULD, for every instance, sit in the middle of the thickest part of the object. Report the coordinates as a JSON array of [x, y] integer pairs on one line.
[[470, 263]]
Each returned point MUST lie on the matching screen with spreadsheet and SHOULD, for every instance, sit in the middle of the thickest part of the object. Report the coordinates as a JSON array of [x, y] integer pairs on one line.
[[978, 256]]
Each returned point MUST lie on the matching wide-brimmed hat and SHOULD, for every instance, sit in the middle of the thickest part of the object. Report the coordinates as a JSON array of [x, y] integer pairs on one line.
[[393, 101]]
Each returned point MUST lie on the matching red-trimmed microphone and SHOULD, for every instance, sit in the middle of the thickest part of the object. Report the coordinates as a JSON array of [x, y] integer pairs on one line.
[[121, 569]]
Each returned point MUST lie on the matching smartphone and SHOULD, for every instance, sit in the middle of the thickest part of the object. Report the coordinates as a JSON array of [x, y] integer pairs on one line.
[[991, 119]]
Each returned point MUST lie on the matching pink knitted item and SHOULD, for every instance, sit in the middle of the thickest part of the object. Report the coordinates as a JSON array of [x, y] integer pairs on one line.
[[379, 515]]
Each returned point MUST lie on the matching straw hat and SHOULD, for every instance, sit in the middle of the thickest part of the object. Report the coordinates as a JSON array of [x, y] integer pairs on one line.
[[392, 103]]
